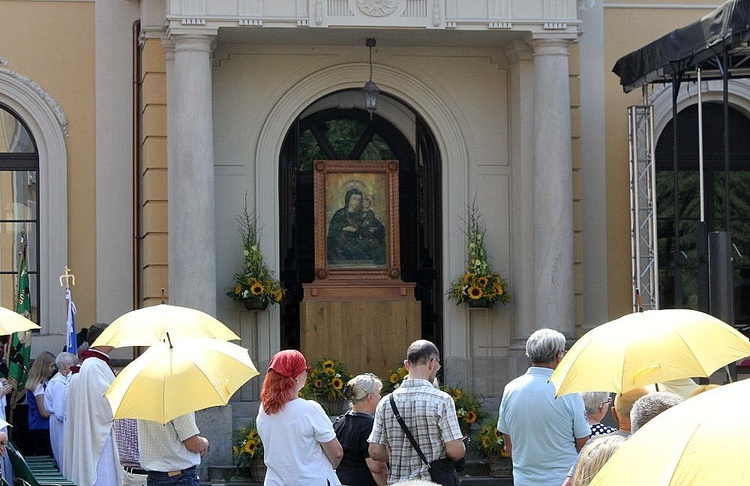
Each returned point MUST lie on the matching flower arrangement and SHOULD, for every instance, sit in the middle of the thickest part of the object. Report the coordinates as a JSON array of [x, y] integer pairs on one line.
[[326, 380], [479, 285], [394, 378], [490, 441], [468, 408], [255, 283], [246, 445]]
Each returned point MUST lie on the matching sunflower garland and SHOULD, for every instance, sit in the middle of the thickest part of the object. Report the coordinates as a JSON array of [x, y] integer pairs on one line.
[[255, 281], [468, 409], [479, 284], [246, 445], [326, 380]]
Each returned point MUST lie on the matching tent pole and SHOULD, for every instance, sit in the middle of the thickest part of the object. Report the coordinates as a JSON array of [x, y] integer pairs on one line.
[[701, 244], [725, 101], [677, 252]]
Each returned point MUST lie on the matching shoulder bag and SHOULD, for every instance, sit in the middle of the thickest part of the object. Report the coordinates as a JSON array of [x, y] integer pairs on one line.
[[442, 471]]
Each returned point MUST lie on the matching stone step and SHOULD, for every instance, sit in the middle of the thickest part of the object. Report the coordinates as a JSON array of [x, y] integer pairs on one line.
[[226, 476]]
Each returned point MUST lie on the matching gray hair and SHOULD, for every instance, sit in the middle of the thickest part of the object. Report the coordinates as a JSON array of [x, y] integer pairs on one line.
[[649, 406], [594, 401], [362, 385], [66, 358], [544, 345]]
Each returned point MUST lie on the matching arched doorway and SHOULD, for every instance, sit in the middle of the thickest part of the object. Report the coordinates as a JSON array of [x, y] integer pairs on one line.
[[331, 129], [714, 200]]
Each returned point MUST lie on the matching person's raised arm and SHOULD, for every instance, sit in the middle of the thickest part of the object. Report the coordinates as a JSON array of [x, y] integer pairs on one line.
[[196, 444], [333, 451]]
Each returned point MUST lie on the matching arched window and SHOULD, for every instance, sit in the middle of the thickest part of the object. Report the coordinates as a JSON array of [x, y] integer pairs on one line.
[[19, 208]]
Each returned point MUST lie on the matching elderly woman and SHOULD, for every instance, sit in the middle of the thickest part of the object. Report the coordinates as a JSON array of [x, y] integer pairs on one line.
[[56, 401], [353, 429], [298, 438], [597, 404]]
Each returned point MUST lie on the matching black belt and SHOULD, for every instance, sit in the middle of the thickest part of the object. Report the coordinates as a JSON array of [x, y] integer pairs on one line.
[[169, 473], [134, 470]]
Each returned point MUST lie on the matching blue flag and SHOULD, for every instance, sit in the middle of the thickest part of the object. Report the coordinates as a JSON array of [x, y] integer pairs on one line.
[[71, 345]]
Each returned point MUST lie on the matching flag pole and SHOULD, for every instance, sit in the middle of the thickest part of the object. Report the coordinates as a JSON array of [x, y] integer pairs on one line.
[[19, 353], [71, 341]]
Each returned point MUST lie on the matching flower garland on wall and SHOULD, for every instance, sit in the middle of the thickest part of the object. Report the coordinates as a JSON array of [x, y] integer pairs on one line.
[[255, 285], [479, 286]]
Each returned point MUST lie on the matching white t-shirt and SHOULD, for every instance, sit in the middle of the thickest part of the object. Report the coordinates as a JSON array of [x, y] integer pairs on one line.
[[292, 441]]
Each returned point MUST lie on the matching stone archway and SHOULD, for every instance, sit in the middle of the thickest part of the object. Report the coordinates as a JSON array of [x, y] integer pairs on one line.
[[442, 121], [48, 125]]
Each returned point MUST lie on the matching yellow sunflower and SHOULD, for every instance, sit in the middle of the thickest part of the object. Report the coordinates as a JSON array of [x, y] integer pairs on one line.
[[457, 393], [238, 289], [278, 295], [257, 288], [483, 281], [394, 378], [470, 417], [467, 277], [250, 280], [475, 293], [249, 447], [337, 383], [318, 384], [499, 289], [328, 364]]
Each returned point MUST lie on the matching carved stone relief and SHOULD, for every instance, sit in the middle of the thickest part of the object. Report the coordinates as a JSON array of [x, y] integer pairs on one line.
[[377, 8]]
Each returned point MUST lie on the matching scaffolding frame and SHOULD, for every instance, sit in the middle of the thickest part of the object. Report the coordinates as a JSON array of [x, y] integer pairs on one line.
[[644, 254]]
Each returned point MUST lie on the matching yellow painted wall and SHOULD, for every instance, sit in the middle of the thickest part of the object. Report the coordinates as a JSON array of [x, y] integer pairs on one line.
[[628, 29], [154, 262], [52, 43]]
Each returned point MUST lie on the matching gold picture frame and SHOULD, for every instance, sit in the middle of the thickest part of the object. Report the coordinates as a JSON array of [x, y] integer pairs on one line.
[[356, 220]]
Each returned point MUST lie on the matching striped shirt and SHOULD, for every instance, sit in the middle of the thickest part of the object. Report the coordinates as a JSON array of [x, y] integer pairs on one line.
[[430, 414]]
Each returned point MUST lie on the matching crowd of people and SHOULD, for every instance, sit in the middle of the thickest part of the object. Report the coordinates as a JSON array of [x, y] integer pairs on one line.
[[411, 437], [70, 419]]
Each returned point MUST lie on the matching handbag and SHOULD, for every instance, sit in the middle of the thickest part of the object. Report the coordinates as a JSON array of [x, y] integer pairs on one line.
[[442, 471]]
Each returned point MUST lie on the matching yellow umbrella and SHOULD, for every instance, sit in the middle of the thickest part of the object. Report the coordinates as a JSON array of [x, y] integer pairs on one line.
[[174, 378], [701, 441], [11, 322], [149, 325], [648, 347]]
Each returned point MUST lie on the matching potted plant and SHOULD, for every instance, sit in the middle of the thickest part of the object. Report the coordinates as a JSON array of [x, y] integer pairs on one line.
[[490, 444], [325, 385], [468, 409], [479, 286], [247, 452], [254, 286]]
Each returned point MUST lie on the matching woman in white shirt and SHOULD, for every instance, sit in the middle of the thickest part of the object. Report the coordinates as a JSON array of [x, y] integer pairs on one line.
[[299, 443]]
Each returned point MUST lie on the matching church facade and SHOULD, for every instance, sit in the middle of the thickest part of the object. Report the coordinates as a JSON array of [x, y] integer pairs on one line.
[[154, 121]]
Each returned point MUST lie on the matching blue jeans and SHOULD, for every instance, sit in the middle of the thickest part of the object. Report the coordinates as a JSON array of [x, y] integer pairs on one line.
[[187, 478]]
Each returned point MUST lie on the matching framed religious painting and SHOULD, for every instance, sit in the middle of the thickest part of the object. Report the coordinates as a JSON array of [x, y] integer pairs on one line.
[[356, 220]]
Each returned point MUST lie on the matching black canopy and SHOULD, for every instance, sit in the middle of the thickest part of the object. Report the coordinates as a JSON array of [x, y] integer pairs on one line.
[[725, 31]]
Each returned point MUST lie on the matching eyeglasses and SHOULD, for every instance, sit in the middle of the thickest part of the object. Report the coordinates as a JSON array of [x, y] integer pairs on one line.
[[608, 401], [438, 365]]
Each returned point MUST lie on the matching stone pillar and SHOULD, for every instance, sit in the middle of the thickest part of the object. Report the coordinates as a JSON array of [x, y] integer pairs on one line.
[[521, 81], [553, 188], [192, 227]]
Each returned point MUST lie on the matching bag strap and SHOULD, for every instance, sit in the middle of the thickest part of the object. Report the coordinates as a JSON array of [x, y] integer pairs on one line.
[[407, 431]]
